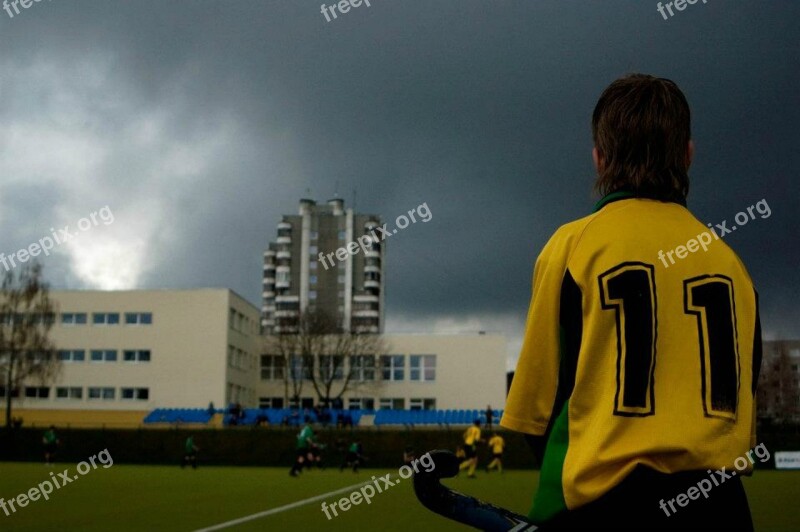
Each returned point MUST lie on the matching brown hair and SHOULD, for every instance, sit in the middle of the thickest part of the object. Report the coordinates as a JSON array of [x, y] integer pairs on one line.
[[641, 127]]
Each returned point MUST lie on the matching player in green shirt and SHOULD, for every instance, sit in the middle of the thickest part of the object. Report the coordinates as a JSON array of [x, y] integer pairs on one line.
[[50, 441], [190, 453], [353, 457], [304, 440]]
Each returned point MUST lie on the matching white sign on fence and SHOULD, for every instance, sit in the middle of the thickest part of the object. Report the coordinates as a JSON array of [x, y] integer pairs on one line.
[[787, 460]]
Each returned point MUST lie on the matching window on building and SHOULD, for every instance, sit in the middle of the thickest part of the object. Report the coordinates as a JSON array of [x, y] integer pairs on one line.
[[272, 367], [101, 393], [103, 355], [331, 367], [312, 294], [393, 367], [105, 318], [313, 251], [313, 235], [422, 404], [136, 355], [342, 235], [361, 403], [422, 368], [270, 402], [312, 279], [73, 318], [313, 264], [363, 367], [69, 392], [300, 369], [37, 392], [71, 355], [305, 402], [388, 403], [135, 394], [138, 318]]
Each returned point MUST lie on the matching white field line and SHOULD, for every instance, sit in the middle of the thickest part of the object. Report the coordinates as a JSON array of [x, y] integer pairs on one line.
[[279, 509]]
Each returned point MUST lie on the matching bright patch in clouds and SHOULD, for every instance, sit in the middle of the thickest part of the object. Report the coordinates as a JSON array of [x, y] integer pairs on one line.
[[80, 130]]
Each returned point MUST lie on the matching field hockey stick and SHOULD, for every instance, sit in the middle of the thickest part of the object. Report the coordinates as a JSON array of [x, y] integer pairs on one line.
[[459, 507]]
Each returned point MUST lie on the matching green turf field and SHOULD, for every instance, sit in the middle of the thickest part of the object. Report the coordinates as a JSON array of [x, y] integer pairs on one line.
[[125, 497]]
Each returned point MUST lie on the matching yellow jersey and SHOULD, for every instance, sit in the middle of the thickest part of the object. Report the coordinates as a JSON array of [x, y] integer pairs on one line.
[[472, 435], [629, 360], [497, 443]]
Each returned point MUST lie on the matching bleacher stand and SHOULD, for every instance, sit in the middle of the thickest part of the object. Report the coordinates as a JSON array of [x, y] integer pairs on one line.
[[293, 417]]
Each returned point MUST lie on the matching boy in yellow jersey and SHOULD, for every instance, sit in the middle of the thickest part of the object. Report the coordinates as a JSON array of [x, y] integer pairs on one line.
[[636, 381], [471, 438], [497, 444]]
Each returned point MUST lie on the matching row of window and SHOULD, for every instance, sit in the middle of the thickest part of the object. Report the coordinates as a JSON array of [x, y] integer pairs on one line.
[[107, 318], [239, 359], [239, 322], [355, 403], [236, 393], [101, 393], [421, 368], [104, 355]]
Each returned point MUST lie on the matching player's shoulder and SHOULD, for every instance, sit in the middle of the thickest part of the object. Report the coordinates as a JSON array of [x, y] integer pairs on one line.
[[564, 240]]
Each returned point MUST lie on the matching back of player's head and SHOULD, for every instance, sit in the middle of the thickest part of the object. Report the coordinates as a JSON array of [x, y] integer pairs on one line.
[[477, 422], [641, 127]]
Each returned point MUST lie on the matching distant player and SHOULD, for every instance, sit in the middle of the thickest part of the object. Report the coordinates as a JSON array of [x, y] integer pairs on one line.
[[497, 444], [304, 440], [189, 453], [315, 455], [50, 442], [472, 436], [354, 456], [637, 375], [489, 416], [460, 453], [409, 455]]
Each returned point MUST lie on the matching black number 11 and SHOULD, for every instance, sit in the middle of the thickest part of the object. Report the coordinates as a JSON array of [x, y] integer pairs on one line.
[[629, 290]]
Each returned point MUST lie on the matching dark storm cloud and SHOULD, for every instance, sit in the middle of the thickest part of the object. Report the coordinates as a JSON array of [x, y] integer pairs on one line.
[[480, 109]]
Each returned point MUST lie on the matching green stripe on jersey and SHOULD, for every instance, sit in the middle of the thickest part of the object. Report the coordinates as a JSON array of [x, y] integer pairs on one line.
[[549, 499]]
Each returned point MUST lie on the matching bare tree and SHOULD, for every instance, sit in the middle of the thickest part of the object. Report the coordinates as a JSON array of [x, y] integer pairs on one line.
[[26, 316], [314, 349]]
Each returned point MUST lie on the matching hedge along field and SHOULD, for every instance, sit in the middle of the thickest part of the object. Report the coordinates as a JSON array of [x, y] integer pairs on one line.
[[247, 446], [275, 446]]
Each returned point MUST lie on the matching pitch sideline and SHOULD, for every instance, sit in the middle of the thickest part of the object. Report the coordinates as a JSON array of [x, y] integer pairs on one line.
[[283, 508]]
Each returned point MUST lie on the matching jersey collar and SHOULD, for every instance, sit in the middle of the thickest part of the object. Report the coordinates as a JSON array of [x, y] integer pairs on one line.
[[620, 195], [614, 196]]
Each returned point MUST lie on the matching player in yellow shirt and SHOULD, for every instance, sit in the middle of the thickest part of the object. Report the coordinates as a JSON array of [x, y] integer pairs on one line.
[[497, 444], [472, 436], [637, 377]]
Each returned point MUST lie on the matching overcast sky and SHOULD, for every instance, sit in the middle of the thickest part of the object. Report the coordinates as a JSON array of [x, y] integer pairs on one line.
[[200, 123]]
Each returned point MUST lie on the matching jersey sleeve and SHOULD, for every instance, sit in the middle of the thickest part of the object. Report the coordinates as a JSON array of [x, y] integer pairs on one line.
[[533, 390]]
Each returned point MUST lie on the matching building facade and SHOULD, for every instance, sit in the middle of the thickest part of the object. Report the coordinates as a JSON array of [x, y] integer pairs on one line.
[[778, 399], [303, 271], [465, 371], [142, 349]]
